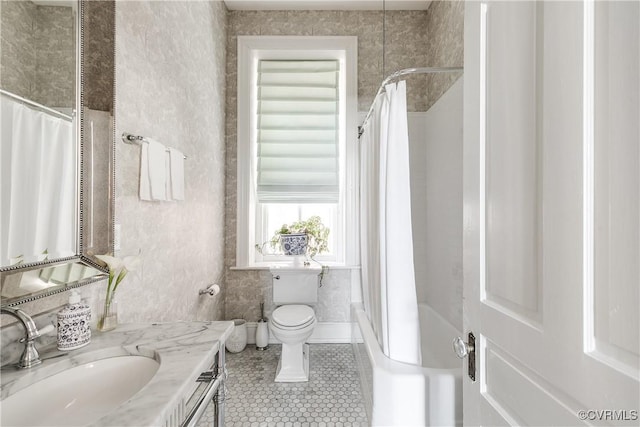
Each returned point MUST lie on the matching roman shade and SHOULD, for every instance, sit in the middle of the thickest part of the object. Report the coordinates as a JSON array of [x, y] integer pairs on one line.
[[297, 131]]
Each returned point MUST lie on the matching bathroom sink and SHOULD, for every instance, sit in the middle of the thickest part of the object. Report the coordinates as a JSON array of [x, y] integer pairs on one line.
[[79, 395]]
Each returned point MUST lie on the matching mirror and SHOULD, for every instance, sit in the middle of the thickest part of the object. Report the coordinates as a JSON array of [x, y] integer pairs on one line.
[[57, 200], [39, 149]]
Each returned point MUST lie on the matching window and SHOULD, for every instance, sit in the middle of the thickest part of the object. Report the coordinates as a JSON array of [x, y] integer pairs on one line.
[[271, 216], [296, 141]]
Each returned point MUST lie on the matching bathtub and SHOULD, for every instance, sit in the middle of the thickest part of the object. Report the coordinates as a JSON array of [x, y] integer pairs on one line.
[[400, 394]]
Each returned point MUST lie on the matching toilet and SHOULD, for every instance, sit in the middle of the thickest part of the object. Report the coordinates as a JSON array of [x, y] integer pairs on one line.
[[293, 321]]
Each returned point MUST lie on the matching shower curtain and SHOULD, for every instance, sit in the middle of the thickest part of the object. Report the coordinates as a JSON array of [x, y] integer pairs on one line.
[[389, 289], [38, 174]]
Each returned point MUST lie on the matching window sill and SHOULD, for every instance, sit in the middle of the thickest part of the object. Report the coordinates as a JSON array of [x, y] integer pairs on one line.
[[268, 266]]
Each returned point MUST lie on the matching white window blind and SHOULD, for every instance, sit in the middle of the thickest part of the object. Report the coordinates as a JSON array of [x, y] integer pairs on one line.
[[297, 131]]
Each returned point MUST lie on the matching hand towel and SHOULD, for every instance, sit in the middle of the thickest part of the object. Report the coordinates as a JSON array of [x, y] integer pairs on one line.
[[167, 168], [145, 187], [156, 174], [176, 174], [157, 170]]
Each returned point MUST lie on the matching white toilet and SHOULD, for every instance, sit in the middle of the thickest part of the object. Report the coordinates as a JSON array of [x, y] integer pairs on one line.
[[293, 321]]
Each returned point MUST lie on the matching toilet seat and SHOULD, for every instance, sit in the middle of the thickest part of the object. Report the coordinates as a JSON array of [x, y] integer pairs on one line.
[[295, 316]]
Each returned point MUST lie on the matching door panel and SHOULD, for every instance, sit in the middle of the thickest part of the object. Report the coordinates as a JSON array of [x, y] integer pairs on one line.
[[509, 374], [617, 183], [511, 150], [551, 212]]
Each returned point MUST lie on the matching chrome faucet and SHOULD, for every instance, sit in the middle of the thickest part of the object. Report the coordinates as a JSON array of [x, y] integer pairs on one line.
[[30, 356]]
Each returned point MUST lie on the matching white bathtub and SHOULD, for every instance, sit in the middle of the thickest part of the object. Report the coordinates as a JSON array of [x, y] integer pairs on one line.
[[400, 394]]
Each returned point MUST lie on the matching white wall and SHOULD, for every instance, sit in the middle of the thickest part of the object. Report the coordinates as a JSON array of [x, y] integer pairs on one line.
[[436, 188]]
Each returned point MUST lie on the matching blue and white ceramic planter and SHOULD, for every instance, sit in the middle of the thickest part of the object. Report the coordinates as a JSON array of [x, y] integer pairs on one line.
[[294, 244]]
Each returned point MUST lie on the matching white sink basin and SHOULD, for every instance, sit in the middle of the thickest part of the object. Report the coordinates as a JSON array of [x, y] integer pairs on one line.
[[79, 395]]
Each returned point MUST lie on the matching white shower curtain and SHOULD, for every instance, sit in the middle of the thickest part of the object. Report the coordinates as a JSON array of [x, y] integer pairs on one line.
[[388, 280], [38, 173]]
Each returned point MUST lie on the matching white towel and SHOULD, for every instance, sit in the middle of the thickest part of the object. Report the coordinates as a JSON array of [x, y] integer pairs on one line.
[[167, 168], [176, 174], [153, 175], [145, 189]]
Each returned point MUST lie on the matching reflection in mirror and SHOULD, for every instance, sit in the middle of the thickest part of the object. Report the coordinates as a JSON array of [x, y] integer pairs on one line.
[[45, 271], [36, 281], [39, 149], [98, 40]]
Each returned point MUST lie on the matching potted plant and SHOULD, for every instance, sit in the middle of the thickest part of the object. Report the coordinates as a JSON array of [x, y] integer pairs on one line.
[[306, 237]]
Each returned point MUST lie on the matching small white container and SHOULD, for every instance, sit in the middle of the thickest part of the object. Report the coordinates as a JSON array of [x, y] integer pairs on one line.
[[74, 320], [237, 341]]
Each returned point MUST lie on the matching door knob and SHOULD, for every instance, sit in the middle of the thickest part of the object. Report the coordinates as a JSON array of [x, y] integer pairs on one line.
[[461, 348], [467, 349]]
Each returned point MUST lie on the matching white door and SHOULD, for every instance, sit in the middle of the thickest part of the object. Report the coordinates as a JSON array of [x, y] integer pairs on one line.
[[551, 212]]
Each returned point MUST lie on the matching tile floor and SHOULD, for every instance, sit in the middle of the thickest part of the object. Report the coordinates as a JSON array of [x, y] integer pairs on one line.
[[331, 398]]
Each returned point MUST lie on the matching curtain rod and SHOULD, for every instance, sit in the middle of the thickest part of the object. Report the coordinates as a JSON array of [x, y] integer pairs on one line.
[[35, 104], [397, 75]]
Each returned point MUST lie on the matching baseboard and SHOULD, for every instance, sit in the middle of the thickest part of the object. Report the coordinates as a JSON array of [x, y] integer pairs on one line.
[[331, 332]]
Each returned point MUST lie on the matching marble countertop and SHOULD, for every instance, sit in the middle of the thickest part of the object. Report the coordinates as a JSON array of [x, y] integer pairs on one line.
[[184, 350]]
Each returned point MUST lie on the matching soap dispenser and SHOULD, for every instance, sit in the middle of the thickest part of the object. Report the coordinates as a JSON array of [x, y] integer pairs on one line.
[[73, 324]]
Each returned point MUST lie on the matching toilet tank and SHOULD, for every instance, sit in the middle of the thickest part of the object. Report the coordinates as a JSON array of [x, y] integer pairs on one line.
[[295, 286]]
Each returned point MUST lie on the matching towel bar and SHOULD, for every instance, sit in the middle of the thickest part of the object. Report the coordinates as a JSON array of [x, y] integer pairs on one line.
[[136, 140]]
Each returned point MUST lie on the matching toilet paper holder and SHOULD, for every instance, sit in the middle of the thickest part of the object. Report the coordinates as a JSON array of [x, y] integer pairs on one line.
[[212, 290]]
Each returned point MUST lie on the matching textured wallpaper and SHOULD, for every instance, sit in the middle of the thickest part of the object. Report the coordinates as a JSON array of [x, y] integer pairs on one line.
[[38, 52], [99, 54], [409, 42], [445, 47], [404, 46], [18, 49], [56, 57], [170, 66]]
